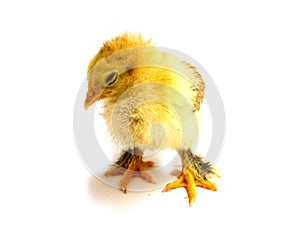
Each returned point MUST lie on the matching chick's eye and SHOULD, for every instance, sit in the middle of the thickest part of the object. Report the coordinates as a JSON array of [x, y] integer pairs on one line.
[[111, 78]]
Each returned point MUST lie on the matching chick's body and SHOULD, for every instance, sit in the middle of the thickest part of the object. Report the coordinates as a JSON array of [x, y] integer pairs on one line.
[[149, 114], [151, 100]]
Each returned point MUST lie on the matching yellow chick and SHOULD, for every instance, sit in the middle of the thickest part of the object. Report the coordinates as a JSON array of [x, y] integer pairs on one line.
[[151, 100]]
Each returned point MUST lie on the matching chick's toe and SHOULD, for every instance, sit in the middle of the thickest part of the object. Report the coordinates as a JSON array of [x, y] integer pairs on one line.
[[195, 172], [130, 165]]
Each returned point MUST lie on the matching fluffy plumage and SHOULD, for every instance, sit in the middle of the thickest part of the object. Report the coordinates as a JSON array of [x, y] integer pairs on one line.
[[174, 97], [150, 97]]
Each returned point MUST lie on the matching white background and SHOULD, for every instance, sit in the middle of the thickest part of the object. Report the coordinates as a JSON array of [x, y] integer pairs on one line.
[[250, 48]]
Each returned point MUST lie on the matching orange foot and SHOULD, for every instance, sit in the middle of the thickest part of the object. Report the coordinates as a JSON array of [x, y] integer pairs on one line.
[[195, 173], [130, 165]]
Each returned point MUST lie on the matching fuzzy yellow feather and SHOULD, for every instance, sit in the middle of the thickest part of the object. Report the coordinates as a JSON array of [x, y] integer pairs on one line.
[[151, 100]]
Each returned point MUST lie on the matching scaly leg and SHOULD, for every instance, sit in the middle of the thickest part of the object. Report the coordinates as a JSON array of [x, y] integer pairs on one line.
[[130, 164], [195, 172]]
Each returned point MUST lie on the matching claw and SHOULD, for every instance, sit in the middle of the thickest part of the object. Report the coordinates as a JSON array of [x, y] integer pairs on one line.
[[113, 172], [189, 180], [145, 176], [148, 164], [207, 185], [176, 184], [190, 187], [134, 167], [125, 180]]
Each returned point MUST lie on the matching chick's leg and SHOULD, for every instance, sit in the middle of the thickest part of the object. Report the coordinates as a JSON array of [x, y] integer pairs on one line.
[[195, 172], [130, 164]]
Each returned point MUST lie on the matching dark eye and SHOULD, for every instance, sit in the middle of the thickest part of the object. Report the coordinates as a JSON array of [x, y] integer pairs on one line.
[[111, 78]]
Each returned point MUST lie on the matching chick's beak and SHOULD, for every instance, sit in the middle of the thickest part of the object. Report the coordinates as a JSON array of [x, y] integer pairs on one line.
[[91, 97]]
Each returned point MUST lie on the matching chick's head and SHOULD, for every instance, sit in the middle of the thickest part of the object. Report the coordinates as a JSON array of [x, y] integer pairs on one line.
[[106, 70]]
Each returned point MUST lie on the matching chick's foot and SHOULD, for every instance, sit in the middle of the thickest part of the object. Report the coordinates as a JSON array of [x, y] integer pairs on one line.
[[130, 165], [195, 172]]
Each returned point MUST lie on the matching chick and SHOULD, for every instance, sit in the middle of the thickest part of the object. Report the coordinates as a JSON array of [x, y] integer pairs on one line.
[[151, 100]]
